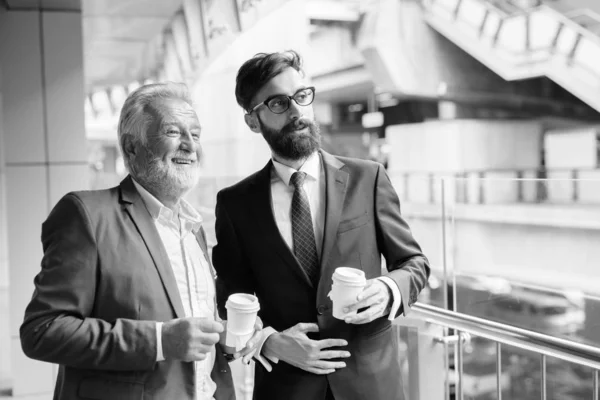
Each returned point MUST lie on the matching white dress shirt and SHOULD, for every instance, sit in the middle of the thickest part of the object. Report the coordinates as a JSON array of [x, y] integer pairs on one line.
[[315, 187], [192, 275]]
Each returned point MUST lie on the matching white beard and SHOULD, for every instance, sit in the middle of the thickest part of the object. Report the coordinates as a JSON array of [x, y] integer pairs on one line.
[[169, 179]]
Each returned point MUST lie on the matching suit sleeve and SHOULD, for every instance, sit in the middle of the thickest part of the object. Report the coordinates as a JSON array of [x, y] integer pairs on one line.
[[57, 327], [233, 270], [406, 264]]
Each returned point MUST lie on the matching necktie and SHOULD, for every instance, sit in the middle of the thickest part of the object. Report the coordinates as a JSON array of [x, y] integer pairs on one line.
[[303, 235]]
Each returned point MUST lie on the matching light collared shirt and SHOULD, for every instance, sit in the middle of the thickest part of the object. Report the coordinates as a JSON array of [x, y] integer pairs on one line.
[[192, 273], [281, 198], [282, 192]]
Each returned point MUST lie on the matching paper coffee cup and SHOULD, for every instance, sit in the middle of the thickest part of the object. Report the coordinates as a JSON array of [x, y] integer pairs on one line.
[[347, 284], [242, 309]]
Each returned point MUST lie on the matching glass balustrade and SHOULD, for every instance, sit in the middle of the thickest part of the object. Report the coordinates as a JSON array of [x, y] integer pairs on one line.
[[520, 253]]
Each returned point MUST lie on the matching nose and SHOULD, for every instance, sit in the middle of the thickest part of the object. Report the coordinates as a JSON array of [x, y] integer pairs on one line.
[[295, 110], [187, 141]]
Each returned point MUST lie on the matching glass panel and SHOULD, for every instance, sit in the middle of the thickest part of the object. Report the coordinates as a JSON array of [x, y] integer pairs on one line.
[[421, 202], [524, 252], [424, 360]]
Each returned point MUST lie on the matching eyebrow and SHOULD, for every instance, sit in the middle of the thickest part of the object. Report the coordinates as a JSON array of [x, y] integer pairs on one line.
[[282, 94], [165, 124]]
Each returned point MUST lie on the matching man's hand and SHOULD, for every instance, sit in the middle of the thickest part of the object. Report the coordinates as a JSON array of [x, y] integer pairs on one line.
[[189, 339], [250, 349], [376, 297], [248, 352], [296, 348]]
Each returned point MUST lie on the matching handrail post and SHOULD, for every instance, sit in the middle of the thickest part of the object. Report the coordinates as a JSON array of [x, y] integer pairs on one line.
[[557, 36], [459, 367], [498, 371], [571, 54], [543, 380], [431, 188], [497, 34], [481, 187], [457, 9], [596, 384], [575, 177], [484, 21], [520, 189]]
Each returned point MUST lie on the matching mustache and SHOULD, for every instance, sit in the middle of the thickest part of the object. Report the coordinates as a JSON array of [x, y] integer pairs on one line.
[[300, 123]]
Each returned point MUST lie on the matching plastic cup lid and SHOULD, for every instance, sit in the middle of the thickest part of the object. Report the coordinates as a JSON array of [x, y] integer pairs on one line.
[[242, 302], [349, 275]]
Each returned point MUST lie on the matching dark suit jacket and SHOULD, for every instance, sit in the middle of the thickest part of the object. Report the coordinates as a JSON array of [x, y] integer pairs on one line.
[[105, 281], [362, 223]]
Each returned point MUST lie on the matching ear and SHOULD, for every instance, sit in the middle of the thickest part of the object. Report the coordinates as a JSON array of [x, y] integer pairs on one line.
[[128, 146], [252, 123]]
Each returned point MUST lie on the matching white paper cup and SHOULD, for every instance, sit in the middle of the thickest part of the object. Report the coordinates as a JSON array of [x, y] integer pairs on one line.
[[242, 309], [347, 284]]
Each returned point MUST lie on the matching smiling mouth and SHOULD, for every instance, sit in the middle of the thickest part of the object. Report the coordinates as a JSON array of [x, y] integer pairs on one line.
[[183, 161]]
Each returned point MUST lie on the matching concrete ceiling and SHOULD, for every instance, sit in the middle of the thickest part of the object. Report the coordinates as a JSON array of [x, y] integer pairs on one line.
[[115, 34]]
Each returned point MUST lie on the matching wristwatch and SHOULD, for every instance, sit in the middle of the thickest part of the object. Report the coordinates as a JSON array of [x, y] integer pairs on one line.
[[229, 357]]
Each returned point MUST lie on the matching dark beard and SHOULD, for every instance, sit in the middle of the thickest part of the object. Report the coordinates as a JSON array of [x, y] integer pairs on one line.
[[290, 145]]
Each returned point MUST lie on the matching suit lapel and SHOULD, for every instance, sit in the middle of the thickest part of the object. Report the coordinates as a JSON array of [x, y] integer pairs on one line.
[[261, 206], [336, 182], [134, 205]]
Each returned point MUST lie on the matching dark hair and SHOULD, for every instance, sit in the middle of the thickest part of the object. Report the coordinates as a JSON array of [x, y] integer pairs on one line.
[[260, 69]]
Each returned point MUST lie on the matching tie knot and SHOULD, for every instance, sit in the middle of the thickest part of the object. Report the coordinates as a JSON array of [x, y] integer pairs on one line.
[[298, 179]]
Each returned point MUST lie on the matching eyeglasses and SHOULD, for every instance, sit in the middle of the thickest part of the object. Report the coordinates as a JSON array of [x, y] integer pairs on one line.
[[281, 103]]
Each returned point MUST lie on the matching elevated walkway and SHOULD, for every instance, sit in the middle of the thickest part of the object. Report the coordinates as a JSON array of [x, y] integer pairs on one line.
[[519, 43]]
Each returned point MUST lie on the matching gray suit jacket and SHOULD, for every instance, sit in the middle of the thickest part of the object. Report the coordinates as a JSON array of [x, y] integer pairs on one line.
[[105, 281], [362, 223]]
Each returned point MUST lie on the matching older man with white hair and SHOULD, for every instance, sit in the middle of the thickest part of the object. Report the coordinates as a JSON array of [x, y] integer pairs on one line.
[[125, 299]]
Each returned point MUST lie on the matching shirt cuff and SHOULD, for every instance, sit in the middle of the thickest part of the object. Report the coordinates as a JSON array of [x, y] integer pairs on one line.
[[396, 296], [159, 350], [268, 331]]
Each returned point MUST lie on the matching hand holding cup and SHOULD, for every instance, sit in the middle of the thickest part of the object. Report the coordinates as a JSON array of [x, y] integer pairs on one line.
[[243, 326], [348, 283]]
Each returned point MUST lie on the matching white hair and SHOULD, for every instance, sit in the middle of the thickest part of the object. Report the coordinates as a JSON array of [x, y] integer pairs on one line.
[[134, 119]]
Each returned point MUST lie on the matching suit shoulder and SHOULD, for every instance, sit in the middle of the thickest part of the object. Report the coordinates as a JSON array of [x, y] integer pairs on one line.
[[92, 201], [360, 163], [94, 197], [360, 168], [240, 187]]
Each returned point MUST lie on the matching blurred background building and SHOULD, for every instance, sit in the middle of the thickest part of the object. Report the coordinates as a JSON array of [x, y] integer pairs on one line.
[[485, 113]]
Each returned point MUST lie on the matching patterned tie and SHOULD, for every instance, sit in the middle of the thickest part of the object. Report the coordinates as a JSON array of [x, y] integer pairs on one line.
[[302, 230]]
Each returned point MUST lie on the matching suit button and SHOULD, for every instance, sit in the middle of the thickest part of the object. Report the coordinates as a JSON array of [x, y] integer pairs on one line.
[[321, 309]]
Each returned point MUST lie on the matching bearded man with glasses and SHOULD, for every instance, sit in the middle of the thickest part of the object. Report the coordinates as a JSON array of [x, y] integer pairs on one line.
[[284, 230]]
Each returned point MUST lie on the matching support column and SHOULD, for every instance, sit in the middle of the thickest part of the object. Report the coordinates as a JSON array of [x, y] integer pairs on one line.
[[45, 155], [5, 369]]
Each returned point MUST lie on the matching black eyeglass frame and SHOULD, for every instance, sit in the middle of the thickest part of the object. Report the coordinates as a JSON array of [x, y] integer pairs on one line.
[[290, 98]]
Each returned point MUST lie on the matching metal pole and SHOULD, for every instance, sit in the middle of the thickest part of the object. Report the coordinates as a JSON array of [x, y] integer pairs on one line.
[[459, 367], [595, 384], [498, 371], [543, 383], [445, 285]]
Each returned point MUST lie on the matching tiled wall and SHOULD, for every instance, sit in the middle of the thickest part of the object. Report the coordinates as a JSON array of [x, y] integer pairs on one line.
[[45, 154]]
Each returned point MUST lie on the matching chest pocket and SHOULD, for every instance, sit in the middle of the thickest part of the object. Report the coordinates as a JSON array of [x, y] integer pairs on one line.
[[353, 223]]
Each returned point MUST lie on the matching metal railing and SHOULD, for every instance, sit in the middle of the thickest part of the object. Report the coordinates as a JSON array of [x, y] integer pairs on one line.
[[502, 334], [521, 185]]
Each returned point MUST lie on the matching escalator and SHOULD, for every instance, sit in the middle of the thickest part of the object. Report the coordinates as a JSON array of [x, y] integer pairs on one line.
[[522, 39]]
